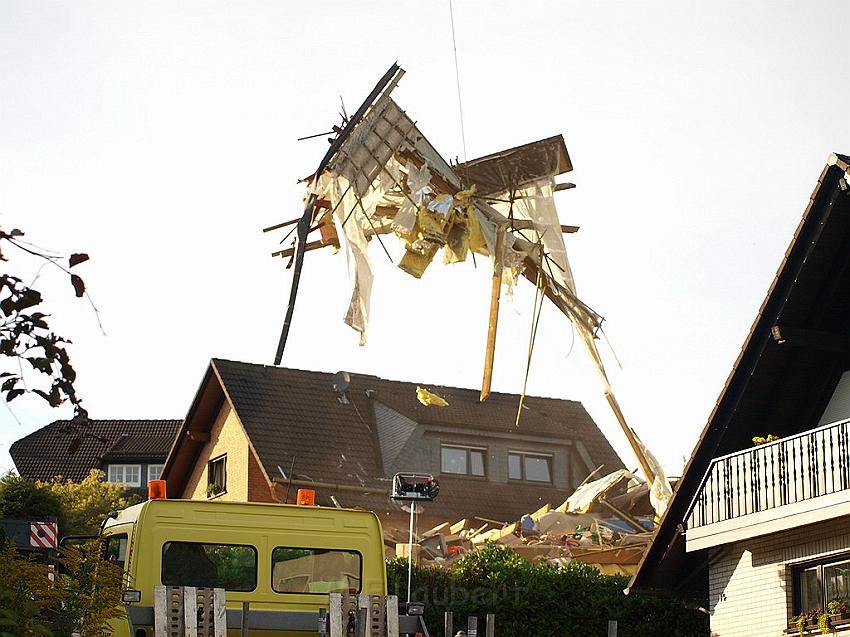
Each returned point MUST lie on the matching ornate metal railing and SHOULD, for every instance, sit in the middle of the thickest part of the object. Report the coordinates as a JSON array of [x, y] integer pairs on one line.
[[808, 465]]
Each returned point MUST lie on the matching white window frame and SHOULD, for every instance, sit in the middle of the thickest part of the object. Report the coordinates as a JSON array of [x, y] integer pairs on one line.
[[123, 469], [530, 454], [210, 464], [467, 449], [152, 466]]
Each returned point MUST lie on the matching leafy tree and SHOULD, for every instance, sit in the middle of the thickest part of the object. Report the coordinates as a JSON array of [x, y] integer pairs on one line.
[[80, 600], [88, 502], [26, 338], [90, 592], [25, 595], [24, 499]]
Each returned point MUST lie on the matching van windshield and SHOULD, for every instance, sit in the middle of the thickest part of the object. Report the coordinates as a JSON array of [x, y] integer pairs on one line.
[[232, 567], [299, 570]]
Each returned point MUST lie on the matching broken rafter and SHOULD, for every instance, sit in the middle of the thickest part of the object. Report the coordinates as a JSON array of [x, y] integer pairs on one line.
[[530, 273], [388, 82], [312, 245], [492, 324]]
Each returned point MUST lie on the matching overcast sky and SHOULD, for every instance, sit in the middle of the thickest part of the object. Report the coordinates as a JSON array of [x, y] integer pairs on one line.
[[160, 138]]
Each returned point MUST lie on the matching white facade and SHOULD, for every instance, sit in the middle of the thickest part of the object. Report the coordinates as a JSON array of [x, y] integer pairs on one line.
[[751, 591]]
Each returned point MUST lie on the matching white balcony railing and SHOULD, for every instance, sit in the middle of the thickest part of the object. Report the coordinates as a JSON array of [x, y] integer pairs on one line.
[[808, 465]]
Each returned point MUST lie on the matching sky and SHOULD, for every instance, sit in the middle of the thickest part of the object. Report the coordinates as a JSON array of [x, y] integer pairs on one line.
[[160, 138]]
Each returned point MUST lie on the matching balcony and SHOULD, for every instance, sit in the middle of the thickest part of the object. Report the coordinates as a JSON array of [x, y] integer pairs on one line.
[[782, 484]]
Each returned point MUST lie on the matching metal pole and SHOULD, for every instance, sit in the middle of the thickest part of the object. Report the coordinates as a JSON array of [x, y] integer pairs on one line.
[[246, 606], [472, 626], [410, 552], [612, 628], [448, 624]]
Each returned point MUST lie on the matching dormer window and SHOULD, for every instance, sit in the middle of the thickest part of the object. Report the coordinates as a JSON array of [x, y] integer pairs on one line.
[[533, 467], [462, 460], [128, 475]]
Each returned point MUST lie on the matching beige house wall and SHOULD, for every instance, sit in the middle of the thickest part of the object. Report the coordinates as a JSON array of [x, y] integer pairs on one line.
[[226, 437], [750, 582]]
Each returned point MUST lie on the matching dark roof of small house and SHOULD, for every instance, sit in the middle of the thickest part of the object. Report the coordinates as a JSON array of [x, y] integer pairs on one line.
[[290, 413], [141, 446], [775, 387], [70, 449]]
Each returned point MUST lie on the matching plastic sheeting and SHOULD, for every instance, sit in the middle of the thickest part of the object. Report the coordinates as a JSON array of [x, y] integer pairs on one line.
[[660, 491], [430, 399], [536, 203], [583, 498], [353, 216]]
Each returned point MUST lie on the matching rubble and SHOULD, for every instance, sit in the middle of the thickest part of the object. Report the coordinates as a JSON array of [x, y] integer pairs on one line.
[[582, 529]]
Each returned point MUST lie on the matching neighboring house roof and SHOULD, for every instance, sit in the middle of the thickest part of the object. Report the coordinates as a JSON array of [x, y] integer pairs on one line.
[[778, 388], [69, 449], [290, 413]]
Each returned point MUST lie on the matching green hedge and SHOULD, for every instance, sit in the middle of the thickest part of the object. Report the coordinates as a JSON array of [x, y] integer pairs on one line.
[[539, 599]]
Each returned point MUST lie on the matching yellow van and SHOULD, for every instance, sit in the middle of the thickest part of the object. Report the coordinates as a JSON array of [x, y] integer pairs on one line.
[[282, 559]]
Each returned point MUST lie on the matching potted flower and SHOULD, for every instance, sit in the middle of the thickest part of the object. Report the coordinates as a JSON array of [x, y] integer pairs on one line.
[[823, 622], [838, 609], [213, 489], [799, 621], [810, 620], [761, 440]]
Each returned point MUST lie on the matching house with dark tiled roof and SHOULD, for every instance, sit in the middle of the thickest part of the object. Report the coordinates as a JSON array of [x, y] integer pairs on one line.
[[760, 527], [130, 452], [260, 433]]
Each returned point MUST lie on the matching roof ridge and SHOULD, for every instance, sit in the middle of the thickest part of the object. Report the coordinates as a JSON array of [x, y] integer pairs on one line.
[[363, 375]]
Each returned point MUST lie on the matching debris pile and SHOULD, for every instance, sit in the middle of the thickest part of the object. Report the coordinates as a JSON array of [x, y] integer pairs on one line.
[[607, 523]]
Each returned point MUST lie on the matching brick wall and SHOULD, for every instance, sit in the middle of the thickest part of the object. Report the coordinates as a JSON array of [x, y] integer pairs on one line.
[[258, 487], [750, 585]]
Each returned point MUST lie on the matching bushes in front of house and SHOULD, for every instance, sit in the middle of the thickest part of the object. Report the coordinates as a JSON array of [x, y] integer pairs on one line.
[[76, 598], [540, 599]]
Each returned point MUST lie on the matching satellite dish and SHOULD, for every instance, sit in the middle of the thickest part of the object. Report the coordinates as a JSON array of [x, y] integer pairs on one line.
[[340, 382]]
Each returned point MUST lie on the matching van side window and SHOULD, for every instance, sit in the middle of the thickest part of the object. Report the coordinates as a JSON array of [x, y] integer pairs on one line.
[[232, 567], [115, 549], [298, 570]]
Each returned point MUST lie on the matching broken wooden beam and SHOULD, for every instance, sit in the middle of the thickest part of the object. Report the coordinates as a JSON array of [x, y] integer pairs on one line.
[[495, 292], [566, 186], [625, 517], [320, 204], [312, 245]]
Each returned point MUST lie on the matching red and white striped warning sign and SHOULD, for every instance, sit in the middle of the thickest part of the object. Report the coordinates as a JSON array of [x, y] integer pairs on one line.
[[43, 535]]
